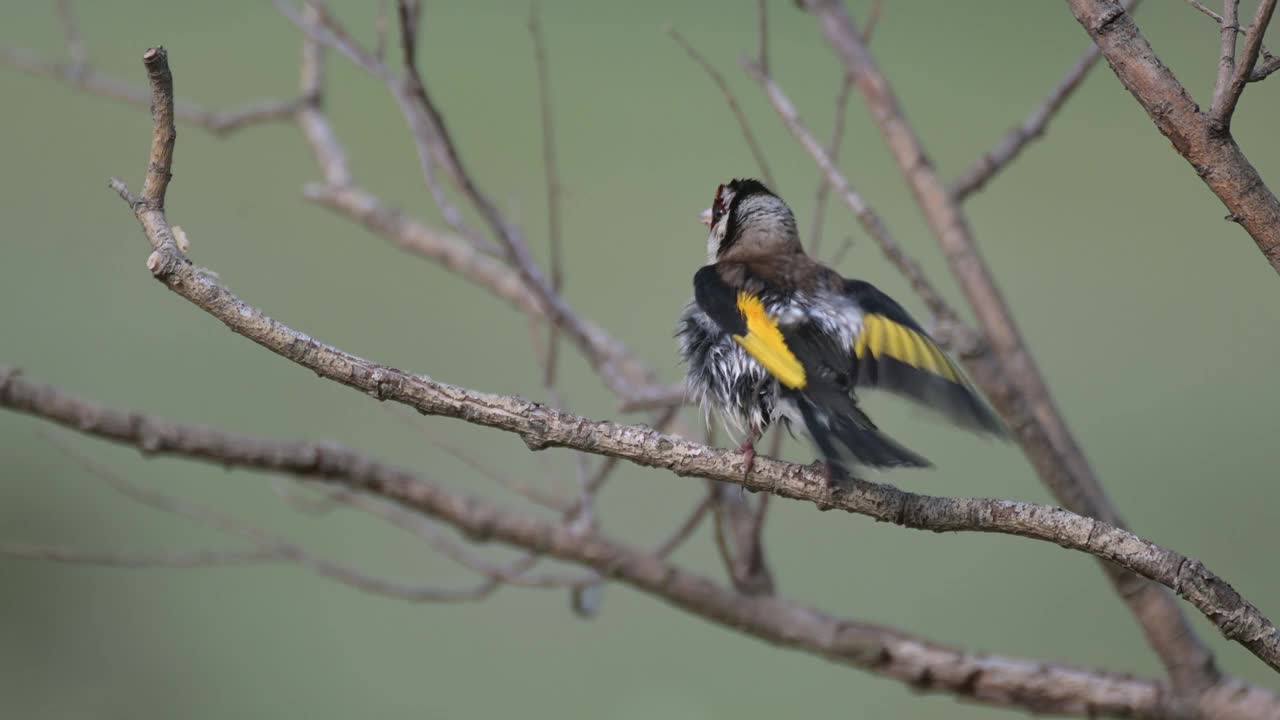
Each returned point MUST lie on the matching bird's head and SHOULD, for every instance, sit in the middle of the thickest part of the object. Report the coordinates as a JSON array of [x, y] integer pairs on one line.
[[747, 220]]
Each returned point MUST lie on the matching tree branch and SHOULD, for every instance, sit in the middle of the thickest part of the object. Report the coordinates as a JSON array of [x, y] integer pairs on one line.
[[177, 559], [1228, 26], [833, 152], [1224, 103], [551, 172], [540, 428], [89, 80], [433, 140], [743, 124], [1016, 387], [994, 680], [1206, 145], [1032, 128]]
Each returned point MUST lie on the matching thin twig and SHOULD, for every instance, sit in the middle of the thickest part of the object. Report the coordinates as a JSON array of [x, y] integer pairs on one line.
[[1012, 379], [551, 172], [409, 93], [175, 559], [743, 124], [845, 246], [76, 51], [432, 135], [1268, 64], [1220, 113], [508, 481], [873, 20], [273, 547], [1228, 26], [89, 80], [1032, 128], [777, 619], [762, 26], [685, 529], [1200, 6], [833, 151], [381, 27]]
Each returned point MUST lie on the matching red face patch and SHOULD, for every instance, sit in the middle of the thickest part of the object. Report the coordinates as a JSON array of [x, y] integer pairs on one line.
[[717, 206]]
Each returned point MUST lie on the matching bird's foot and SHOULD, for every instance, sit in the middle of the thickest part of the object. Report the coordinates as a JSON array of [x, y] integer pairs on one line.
[[835, 475], [748, 449]]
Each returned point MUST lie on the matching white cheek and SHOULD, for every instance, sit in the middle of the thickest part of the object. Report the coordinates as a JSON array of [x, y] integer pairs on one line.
[[713, 246]]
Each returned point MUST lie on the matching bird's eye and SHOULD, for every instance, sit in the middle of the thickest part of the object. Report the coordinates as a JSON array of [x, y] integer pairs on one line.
[[717, 207]]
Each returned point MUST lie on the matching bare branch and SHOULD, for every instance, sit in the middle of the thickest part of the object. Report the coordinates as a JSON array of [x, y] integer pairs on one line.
[[1200, 6], [270, 546], [833, 152], [526, 490], [1229, 25], [86, 79], [873, 19], [191, 559], [1015, 386], [76, 51], [1270, 64], [743, 124], [408, 94], [762, 29], [381, 27], [737, 540], [626, 373], [540, 427], [1032, 128], [685, 530], [430, 131], [1225, 103], [996, 680], [551, 170], [1215, 156]]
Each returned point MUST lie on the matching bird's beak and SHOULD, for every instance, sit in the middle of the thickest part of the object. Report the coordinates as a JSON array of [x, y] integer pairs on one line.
[[705, 217]]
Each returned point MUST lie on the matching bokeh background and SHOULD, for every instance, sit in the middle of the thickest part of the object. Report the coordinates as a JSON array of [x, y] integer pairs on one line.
[[1153, 319]]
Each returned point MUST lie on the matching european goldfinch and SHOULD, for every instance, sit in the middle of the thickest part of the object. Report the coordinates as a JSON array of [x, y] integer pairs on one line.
[[773, 334]]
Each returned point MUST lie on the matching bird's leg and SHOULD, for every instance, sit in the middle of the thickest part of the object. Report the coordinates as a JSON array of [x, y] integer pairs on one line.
[[835, 475], [748, 448]]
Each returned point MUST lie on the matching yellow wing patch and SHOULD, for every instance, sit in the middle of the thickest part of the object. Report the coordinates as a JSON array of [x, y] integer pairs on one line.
[[881, 336], [764, 342]]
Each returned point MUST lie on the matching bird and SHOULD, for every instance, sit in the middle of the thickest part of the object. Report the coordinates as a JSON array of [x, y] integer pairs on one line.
[[773, 335]]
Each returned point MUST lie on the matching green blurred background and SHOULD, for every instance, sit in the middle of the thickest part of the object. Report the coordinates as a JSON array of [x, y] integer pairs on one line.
[[1153, 319]]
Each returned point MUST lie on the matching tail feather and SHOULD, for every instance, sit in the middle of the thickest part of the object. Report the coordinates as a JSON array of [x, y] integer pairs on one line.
[[842, 432]]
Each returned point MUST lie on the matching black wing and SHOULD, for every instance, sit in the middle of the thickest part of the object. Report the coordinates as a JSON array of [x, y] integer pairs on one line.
[[813, 373], [892, 352]]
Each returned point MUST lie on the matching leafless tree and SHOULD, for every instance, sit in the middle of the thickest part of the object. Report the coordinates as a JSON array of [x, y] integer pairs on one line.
[[496, 258]]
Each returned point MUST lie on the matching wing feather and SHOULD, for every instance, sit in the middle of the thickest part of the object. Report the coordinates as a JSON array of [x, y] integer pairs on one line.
[[893, 353]]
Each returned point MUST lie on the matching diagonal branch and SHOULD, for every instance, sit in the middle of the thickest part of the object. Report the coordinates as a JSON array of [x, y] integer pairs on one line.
[[994, 680], [551, 173], [1224, 103], [744, 125], [1032, 128], [1016, 387], [1228, 27], [432, 137], [177, 559], [1206, 146], [833, 152]]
